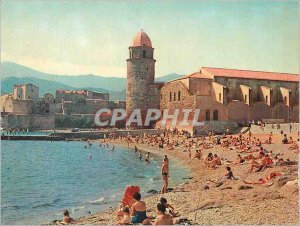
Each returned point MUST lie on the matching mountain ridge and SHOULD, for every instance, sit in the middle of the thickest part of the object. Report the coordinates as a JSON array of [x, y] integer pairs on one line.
[[10, 69]]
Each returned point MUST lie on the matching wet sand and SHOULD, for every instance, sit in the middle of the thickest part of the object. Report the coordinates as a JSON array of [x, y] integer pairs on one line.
[[204, 202]]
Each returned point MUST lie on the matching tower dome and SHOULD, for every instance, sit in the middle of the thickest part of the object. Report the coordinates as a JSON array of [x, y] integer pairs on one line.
[[141, 39]]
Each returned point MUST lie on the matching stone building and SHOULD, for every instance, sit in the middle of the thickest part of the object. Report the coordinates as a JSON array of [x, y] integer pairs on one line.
[[21, 101], [79, 95], [141, 91], [234, 95], [24, 109]]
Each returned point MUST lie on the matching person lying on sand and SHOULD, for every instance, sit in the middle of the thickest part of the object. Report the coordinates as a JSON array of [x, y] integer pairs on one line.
[[169, 207], [265, 180]]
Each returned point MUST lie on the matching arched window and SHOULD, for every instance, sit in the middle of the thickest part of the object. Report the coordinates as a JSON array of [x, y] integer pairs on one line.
[[207, 115], [170, 96], [179, 95], [144, 53], [174, 96], [215, 115]]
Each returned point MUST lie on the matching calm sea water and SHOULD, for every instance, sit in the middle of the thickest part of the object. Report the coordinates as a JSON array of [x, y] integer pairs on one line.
[[39, 179]]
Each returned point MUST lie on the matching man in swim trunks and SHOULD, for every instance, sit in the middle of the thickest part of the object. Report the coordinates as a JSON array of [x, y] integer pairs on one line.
[[165, 174]]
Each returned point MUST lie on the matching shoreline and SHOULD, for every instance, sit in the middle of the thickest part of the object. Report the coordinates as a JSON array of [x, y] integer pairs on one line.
[[144, 149], [225, 204]]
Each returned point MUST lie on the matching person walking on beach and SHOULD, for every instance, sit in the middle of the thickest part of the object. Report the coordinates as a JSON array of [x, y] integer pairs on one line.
[[165, 174]]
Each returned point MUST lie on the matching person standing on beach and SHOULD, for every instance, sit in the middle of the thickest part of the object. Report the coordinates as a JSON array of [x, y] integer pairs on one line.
[[165, 174], [140, 156]]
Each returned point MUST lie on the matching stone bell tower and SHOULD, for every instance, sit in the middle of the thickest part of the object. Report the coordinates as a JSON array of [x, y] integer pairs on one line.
[[140, 73]]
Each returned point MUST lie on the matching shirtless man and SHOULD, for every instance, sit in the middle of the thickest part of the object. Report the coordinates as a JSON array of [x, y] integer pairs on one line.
[[165, 174], [162, 218]]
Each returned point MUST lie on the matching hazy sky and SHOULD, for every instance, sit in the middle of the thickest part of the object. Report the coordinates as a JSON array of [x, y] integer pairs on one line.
[[82, 37]]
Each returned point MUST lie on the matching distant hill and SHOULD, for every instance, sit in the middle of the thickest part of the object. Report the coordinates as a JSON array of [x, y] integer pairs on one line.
[[9, 69]]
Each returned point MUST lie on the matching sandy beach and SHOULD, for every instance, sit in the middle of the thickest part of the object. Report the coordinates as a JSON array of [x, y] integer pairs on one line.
[[201, 201]]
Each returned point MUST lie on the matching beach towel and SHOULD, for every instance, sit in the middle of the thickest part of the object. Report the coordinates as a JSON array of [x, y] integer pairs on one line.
[[128, 195]]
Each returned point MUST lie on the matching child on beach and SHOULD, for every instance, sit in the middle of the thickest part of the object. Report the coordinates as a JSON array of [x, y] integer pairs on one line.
[[126, 217]]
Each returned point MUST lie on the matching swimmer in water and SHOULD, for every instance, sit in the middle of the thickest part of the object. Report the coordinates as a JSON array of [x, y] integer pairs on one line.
[[135, 149], [147, 158], [140, 156], [90, 157], [113, 148]]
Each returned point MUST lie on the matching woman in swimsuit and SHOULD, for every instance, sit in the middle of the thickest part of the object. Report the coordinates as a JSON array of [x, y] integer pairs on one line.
[[138, 209]]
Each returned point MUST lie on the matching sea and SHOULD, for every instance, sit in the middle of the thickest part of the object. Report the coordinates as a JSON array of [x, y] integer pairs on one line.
[[40, 179]]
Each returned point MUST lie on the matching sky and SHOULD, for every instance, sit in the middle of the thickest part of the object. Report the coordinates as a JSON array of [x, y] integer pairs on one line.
[[92, 37]]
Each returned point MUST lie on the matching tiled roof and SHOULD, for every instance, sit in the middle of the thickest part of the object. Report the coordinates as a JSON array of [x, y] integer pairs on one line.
[[262, 75], [194, 75]]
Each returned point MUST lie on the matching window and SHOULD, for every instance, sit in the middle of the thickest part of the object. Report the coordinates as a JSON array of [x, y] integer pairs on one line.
[[266, 99], [31, 90], [174, 96], [207, 115], [147, 69], [215, 115], [28, 97], [170, 96], [285, 100], [144, 53], [220, 96], [160, 96], [19, 96], [245, 98], [179, 95]]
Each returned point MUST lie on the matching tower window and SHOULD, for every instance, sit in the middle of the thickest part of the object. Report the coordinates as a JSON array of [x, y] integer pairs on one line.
[[170, 96], [144, 53], [179, 95], [174, 96], [285, 100]]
